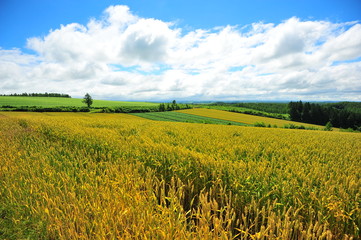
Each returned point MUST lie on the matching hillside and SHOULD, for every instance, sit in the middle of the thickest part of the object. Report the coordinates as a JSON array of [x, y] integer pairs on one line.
[[268, 107], [244, 118], [65, 102]]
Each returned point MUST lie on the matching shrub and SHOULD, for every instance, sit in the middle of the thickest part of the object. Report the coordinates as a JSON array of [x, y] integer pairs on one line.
[[260, 124]]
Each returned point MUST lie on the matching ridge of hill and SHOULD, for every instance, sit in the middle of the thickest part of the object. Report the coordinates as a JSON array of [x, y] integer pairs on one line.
[[65, 102]]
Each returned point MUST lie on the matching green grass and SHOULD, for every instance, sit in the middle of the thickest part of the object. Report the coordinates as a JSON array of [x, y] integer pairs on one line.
[[184, 117], [66, 102]]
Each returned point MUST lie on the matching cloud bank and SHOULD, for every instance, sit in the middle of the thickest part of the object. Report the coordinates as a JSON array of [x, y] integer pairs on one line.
[[126, 57]]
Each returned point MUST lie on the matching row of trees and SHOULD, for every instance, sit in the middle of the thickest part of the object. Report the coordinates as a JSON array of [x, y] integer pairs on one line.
[[88, 100], [37, 95], [269, 107], [172, 106], [349, 106], [322, 114]]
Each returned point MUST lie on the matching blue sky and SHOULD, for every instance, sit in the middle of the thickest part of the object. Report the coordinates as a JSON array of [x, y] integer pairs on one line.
[[185, 49], [22, 19]]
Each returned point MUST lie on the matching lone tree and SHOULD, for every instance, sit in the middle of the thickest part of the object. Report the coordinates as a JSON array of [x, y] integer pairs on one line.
[[328, 126], [88, 100]]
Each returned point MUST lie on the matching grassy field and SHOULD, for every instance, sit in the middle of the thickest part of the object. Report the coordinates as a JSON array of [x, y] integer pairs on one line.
[[244, 118], [184, 117], [66, 102], [119, 176]]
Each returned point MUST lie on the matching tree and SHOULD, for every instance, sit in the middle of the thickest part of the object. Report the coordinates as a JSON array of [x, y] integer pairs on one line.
[[175, 105], [317, 115], [295, 110], [161, 107], [328, 126], [306, 115], [88, 100]]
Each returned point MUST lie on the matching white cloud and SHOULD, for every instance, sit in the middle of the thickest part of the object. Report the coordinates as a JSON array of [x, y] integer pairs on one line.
[[119, 16], [147, 40], [124, 56], [345, 46]]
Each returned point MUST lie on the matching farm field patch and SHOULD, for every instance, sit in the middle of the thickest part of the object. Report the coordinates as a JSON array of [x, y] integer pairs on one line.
[[109, 176], [243, 118], [184, 117], [245, 110]]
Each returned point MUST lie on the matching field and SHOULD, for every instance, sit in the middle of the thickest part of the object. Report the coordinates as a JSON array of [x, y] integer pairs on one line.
[[66, 102], [118, 176], [184, 117], [243, 118], [237, 109]]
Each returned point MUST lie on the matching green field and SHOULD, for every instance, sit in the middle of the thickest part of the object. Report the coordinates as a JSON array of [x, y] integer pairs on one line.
[[184, 117], [212, 116], [66, 102]]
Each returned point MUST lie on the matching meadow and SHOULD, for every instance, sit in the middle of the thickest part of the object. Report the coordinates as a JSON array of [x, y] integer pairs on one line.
[[66, 102], [119, 176]]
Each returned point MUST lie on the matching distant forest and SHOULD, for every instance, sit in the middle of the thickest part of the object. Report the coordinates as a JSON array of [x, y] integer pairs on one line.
[[341, 115], [354, 107], [269, 107], [37, 95]]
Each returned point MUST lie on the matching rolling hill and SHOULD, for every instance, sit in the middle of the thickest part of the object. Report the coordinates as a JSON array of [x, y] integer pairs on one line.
[[66, 102]]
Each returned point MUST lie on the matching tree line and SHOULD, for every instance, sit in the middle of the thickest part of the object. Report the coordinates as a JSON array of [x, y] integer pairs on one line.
[[349, 106], [269, 107], [37, 95], [322, 114], [172, 106]]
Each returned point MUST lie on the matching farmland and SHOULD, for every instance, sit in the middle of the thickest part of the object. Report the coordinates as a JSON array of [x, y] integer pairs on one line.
[[243, 118], [184, 117], [109, 176], [65, 102], [237, 109]]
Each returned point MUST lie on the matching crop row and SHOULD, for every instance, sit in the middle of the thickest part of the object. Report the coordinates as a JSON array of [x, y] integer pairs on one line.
[[184, 117]]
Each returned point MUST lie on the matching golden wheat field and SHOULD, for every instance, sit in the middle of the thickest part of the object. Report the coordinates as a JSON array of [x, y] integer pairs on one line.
[[243, 118], [117, 176]]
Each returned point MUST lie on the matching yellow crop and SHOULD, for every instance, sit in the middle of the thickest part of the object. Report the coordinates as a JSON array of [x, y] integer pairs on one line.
[[243, 118], [117, 176]]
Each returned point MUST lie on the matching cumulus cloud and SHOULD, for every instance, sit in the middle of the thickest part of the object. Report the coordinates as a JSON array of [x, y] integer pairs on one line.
[[123, 56], [147, 40]]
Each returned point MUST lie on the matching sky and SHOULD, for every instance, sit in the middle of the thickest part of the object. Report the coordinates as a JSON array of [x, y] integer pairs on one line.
[[143, 50]]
